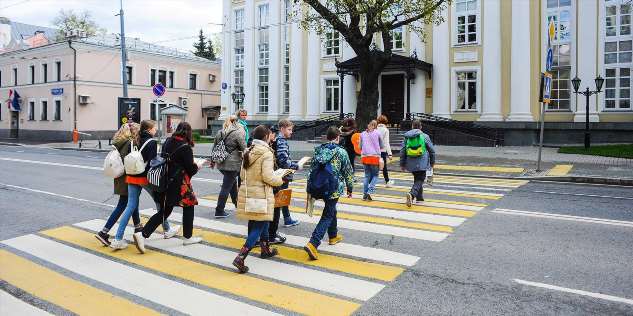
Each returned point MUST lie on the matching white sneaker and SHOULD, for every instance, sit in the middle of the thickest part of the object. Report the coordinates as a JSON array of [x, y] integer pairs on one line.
[[118, 244], [191, 241], [139, 241], [173, 230], [389, 184]]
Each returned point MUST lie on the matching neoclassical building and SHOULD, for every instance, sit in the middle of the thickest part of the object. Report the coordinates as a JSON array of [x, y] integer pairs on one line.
[[482, 64]]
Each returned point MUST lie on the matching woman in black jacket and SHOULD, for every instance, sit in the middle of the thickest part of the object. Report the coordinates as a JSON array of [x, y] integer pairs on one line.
[[179, 191]]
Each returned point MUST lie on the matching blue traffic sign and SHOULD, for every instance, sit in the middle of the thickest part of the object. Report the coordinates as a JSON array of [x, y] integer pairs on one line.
[[224, 86], [547, 88], [549, 59], [57, 91], [158, 89]]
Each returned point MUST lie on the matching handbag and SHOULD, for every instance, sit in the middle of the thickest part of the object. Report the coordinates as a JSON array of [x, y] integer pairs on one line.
[[219, 152], [283, 197], [254, 205], [370, 160]]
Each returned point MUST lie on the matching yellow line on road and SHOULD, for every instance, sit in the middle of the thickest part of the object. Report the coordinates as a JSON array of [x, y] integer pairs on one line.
[[63, 291], [432, 200], [264, 291], [479, 168], [560, 170], [504, 183], [483, 196]]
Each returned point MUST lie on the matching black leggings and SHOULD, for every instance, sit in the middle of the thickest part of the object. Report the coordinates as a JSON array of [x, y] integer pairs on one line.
[[157, 219], [385, 171]]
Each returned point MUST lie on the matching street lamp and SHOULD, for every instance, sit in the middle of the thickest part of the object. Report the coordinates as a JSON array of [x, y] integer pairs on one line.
[[238, 98], [587, 93]]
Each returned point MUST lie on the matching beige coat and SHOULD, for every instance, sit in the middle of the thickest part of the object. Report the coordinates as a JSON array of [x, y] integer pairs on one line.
[[258, 182]]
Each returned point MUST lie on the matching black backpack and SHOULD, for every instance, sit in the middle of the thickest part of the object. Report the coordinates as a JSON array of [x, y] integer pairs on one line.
[[158, 173]]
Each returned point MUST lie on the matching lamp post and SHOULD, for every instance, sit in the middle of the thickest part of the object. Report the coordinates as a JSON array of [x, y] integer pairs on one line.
[[238, 98], [587, 93]]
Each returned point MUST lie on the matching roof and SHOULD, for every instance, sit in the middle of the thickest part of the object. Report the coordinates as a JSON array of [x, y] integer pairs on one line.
[[397, 62], [173, 110]]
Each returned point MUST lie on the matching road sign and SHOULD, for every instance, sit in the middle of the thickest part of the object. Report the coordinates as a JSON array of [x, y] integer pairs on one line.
[[224, 85], [57, 91], [158, 89], [549, 59], [547, 87], [551, 29]]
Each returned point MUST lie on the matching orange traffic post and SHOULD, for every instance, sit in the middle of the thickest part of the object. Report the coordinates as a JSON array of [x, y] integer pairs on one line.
[[75, 136]]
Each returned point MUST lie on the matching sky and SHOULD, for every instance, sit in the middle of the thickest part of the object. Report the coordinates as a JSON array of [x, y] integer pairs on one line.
[[173, 23]]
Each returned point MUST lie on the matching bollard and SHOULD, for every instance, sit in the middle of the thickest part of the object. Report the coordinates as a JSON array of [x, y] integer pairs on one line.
[[110, 142], [80, 143], [99, 144]]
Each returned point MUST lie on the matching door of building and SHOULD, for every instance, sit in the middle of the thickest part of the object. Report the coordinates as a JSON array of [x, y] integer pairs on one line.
[[15, 124], [392, 99]]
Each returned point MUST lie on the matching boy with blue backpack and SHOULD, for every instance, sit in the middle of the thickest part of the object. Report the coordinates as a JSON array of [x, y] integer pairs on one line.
[[416, 156], [330, 176]]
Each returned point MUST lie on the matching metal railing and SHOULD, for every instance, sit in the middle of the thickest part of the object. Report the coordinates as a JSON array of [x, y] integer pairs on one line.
[[479, 133], [81, 140], [320, 123]]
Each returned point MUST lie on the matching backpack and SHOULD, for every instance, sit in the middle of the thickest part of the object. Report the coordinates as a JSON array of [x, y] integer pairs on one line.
[[415, 146], [158, 173], [113, 164], [322, 181], [219, 152], [356, 143], [133, 162]]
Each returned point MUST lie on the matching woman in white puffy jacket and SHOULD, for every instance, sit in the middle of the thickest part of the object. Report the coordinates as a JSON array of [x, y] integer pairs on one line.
[[385, 151]]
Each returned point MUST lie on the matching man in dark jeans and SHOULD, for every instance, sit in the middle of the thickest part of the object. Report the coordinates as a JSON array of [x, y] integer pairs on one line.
[[282, 157], [416, 160]]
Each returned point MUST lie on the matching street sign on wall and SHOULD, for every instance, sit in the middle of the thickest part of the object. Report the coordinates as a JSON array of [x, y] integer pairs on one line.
[[57, 91], [547, 87], [129, 111]]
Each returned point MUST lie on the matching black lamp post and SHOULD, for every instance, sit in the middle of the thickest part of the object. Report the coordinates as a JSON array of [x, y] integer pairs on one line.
[[587, 93], [238, 98]]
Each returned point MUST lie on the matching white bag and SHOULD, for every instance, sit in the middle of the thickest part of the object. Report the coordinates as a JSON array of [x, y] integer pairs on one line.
[[429, 177], [134, 163], [113, 164]]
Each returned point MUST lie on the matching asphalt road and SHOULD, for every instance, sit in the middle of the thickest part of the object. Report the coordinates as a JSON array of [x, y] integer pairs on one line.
[[542, 249]]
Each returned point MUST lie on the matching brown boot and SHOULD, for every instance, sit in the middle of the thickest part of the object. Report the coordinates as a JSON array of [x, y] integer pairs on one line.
[[267, 252], [238, 262]]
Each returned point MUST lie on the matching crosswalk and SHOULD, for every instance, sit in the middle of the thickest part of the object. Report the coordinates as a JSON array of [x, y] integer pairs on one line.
[[68, 270]]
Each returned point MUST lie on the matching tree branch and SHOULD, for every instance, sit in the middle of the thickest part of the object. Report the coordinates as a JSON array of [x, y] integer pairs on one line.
[[328, 15], [419, 16]]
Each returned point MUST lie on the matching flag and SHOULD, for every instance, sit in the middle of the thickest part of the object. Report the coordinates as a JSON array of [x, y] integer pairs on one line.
[[14, 105]]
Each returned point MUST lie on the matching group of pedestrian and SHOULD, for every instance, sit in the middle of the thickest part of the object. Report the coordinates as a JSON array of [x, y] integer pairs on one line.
[[256, 168]]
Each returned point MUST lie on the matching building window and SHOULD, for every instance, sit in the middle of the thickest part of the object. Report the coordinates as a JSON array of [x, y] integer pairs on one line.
[[262, 16], [466, 17], [239, 19], [162, 77], [15, 76], [152, 77], [171, 79], [397, 38], [332, 95], [152, 111], [45, 73], [58, 70], [286, 90], [263, 90], [332, 43], [44, 111], [31, 110], [617, 55], [239, 49], [128, 74], [32, 72], [466, 90], [559, 11], [0, 78], [193, 81], [58, 110], [264, 53]]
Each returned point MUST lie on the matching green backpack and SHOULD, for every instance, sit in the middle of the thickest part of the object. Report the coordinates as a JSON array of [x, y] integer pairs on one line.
[[415, 146]]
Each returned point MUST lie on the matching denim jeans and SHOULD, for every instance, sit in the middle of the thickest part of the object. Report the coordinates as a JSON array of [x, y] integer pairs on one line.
[[385, 171], [229, 187], [326, 223], [118, 210], [134, 192], [258, 230], [371, 177], [418, 181]]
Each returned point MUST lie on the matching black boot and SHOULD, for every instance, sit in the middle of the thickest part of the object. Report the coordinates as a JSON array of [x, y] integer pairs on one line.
[[267, 252], [238, 262]]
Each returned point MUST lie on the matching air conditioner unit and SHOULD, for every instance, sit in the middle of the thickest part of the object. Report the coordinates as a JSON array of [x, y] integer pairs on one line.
[[84, 99], [183, 102], [212, 77]]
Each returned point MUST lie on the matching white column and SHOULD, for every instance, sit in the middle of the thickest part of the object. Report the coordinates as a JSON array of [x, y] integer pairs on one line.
[[349, 84], [250, 60], [274, 67], [521, 63], [587, 41], [416, 43], [418, 92], [227, 61], [441, 68], [313, 86], [491, 81], [297, 72]]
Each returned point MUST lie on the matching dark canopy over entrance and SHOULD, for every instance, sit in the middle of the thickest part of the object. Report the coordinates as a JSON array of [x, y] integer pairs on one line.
[[397, 63]]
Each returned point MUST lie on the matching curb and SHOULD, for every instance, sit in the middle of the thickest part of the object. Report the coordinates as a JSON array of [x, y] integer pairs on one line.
[[584, 179]]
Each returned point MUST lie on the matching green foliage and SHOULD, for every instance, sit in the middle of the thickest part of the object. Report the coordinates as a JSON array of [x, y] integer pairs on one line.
[[68, 20], [204, 47], [618, 151]]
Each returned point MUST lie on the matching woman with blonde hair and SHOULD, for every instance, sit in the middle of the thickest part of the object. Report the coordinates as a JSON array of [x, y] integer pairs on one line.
[[235, 144]]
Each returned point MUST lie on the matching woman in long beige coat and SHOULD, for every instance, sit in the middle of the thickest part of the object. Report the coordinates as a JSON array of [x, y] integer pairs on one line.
[[256, 200]]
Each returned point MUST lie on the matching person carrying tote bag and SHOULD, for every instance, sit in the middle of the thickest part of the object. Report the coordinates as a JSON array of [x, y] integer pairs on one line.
[[256, 199]]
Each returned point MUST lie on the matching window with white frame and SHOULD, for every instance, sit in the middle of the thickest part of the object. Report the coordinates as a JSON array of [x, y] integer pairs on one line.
[[331, 43], [44, 73], [44, 110], [617, 55], [264, 52], [286, 89], [239, 50], [286, 67], [263, 90], [332, 95], [239, 19], [31, 110], [466, 21], [466, 91], [560, 12], [32, 73], [57, 116], [397, 38]]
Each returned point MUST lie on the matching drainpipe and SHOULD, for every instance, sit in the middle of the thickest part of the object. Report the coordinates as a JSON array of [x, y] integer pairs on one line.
[[75, 132]]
